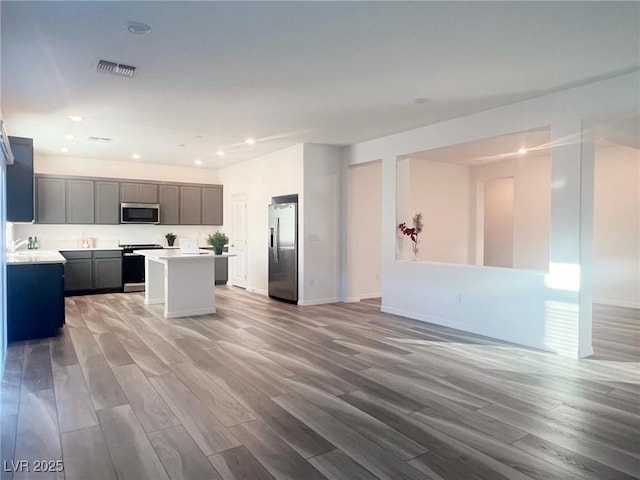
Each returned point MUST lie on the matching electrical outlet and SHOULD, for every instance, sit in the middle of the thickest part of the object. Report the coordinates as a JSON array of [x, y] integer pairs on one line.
[[459, 297], [377, 276], [312, 283]]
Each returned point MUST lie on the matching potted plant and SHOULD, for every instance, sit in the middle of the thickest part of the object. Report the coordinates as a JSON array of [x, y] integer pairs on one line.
[[170, 238], [218, 240]]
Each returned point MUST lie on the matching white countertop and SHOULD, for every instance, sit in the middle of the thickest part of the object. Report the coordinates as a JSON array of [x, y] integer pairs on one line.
[[76, 249], [173, 253], [33, 257]]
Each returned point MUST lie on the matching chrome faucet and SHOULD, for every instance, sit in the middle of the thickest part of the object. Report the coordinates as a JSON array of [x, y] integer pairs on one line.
[[16, 244]]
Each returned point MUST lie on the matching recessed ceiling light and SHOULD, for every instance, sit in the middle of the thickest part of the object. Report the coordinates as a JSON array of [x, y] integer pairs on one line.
[[250, 141], [420, 101], [522, 151], [135, 156], [64, 149], [137, 28], [198, 162], [182, 144], [70, 137], [220, 153], [76, 118]]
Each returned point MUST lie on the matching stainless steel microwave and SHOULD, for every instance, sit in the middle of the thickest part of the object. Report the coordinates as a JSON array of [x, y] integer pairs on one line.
[[139, 213]]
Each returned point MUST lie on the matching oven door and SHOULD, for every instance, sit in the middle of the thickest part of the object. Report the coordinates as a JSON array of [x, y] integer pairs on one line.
[[132, 272], [140, 213]]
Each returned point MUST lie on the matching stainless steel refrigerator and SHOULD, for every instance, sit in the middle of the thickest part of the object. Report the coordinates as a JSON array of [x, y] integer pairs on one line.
[[283, 250]]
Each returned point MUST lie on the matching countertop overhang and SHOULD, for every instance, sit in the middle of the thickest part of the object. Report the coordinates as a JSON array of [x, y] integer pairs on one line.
[[176, 254], [34, 257]]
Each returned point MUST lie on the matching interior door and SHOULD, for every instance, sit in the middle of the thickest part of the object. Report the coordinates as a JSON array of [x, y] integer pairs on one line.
[[238, 243]]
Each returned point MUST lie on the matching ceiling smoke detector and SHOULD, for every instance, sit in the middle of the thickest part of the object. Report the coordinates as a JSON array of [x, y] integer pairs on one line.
[[118, 69], [137, 28], [99, 139]]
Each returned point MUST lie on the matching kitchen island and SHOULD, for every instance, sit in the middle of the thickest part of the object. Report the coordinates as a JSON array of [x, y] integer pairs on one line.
[[183, 282]]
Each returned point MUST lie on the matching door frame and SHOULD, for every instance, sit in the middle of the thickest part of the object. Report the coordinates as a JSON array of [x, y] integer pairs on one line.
[[234, 196]]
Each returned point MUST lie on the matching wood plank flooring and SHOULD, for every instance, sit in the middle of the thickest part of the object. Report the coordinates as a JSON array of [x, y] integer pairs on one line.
[[268, 390]]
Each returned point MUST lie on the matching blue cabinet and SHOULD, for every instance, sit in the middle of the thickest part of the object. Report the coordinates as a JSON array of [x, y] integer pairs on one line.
[[20, 181], [35, 300]]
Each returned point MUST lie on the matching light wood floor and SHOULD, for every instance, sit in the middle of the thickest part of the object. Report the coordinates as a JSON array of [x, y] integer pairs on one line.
[[266, 390]]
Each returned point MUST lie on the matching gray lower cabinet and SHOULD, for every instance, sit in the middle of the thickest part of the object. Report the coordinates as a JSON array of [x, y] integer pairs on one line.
[[138, 192], [78, 271], [80, 201], [107, 202], [91, 271], [107, 269], [211, 205], [190, 205], [51, 200], [169, 200], [221, 270]]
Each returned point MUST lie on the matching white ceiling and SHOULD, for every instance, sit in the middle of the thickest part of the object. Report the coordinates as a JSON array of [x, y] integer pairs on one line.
[[212, 73], [487, 150]]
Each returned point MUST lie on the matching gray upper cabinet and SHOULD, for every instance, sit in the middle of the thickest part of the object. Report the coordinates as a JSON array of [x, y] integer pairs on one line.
[[190, 205], [80, 201], [139, 193], [107, 202], [212, 205], [148, 193], [51, 200], [169, 200]]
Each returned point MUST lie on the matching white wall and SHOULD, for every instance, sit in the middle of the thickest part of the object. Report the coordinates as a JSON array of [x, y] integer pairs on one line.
[[450, 199], [498, 222], [440, 191], [279, 173], [549, 311], [616, 221], [320, 233], [531, 206], [92, 167], [59, 237], [364, 225]]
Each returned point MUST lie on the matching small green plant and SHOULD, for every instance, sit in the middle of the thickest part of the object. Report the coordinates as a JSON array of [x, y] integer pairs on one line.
[[170, 238], [218, 240]]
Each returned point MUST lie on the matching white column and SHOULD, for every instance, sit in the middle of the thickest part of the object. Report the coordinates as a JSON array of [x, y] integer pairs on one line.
[[389, 219], [568, 308], [587, 188]]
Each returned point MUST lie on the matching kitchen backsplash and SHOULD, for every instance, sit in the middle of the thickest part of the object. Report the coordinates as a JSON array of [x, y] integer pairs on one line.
[[57, 237]]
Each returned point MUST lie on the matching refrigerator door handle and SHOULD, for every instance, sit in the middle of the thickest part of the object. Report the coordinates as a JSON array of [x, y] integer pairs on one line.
[[271, 237], [277, 246]]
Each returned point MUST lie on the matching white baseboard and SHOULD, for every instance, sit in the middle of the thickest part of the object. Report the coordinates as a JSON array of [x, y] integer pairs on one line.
[[319, 301], [350, 299], [616, 303], [498, 335], [366, 296], [257, 290]]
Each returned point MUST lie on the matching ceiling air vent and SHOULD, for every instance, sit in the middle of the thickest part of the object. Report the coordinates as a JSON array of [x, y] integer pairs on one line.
[[119, 69]]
